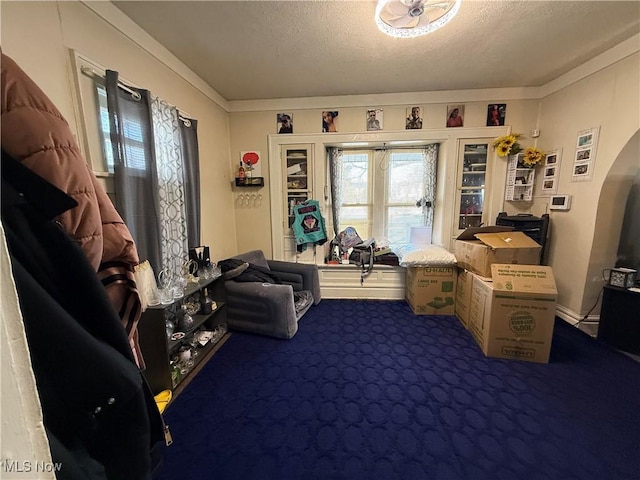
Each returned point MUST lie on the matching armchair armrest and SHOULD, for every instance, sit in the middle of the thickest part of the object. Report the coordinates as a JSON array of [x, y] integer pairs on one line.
[[308, 273]]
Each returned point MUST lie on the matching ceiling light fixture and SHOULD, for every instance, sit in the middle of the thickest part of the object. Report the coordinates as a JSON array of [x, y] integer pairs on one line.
[[411, 18]]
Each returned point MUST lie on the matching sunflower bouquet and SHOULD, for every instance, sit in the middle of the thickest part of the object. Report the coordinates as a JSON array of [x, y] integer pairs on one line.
[[509, 145], [532, 157]]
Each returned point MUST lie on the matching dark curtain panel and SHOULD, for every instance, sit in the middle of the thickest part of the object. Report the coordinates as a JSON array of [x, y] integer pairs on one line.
[[135, 173], [191, 172], [335, 176]]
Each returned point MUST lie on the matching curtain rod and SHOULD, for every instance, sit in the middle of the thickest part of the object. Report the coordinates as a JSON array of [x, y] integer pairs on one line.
[[90, 72]]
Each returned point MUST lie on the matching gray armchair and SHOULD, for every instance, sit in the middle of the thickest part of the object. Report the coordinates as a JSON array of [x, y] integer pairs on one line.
[[271, 308]]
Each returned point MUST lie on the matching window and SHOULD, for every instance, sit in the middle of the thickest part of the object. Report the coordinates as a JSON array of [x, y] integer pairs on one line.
[[384, 192]]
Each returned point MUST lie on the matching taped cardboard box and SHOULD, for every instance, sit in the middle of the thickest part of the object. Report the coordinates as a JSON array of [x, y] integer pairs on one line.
[[512, 315], [478, 248], [463, 295], [431, 290]]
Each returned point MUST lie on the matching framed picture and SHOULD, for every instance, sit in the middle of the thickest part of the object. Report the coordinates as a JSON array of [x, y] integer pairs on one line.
[[250, 162], [330, 121], [585, 157], [549, 185], [581, 169], [551, 172], [585, 139], [374, 119], [495, 114], [414, 118], [284, 122], [455, 116]]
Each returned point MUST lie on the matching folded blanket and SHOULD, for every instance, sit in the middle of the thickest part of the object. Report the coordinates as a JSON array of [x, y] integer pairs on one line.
[[239, 271]]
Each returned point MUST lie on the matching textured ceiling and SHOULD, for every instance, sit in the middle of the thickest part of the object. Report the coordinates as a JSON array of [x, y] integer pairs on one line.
[[286, 49]]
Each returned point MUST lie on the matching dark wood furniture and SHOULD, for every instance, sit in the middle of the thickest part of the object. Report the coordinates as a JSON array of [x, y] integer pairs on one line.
[[619, 324], [160, 352]]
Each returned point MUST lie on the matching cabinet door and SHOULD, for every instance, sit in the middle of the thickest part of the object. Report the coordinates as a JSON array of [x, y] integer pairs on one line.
[[298, 183], [473, 184]]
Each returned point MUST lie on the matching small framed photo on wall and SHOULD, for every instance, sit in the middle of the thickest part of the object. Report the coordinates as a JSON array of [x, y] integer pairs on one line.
[[455, 116], [495, 114], [414, 118], [375, 119], [330, 121], [284, 122]]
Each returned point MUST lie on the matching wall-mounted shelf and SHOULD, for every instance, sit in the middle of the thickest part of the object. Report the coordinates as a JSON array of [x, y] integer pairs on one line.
[[250, 182]]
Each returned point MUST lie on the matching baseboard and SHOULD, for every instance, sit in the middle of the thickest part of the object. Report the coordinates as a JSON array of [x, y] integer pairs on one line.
[[573, 318], [364, 292]]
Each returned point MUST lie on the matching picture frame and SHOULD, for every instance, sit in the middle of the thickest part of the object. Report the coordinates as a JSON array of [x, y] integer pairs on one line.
[[549, 185], [414, 118], [582, 169], [585, 155], [455, 116], [330, 121], [374, 119], [284, 122], [496, 113], [551, 172]]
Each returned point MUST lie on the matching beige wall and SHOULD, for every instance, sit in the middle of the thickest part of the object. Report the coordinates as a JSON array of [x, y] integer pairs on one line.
[[38, 36], [250, 129], [584, 240]]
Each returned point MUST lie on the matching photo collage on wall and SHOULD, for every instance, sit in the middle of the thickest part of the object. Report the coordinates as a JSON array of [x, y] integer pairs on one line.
[[551, 172], [414, 118], [585, 157]]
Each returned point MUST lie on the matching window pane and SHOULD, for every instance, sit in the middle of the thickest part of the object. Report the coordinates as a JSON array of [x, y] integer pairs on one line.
[[406, 173], [355, 178], [400, 219], [358, 218]]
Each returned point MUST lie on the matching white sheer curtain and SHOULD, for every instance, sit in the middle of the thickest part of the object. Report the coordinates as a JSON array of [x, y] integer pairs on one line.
[[169, 161]]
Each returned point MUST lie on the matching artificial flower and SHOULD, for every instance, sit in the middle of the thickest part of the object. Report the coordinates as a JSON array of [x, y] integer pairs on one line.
[[507, 145], [532, 157]]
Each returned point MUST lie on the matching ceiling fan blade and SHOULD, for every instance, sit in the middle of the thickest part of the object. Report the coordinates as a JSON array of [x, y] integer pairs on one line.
[[396, 8], [404, 22]]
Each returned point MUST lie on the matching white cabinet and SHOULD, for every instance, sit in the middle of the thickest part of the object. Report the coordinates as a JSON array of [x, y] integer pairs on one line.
[[472, 185], [520, 180]]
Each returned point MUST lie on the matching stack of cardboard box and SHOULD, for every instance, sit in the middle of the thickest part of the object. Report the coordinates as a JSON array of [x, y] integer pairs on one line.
[[503, 297]]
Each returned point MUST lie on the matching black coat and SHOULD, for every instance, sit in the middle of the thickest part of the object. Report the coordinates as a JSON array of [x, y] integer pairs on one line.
[[99, 414]]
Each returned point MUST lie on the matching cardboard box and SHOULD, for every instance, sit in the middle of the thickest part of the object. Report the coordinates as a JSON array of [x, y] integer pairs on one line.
[[463, 295], [477, 249], [431, 290], [512, 315]]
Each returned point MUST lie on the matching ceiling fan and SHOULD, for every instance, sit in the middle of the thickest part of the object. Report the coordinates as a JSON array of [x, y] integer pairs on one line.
[[410, 18]]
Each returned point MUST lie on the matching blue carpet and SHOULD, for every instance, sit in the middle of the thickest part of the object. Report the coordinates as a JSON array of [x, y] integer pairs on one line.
[[367, 390]]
